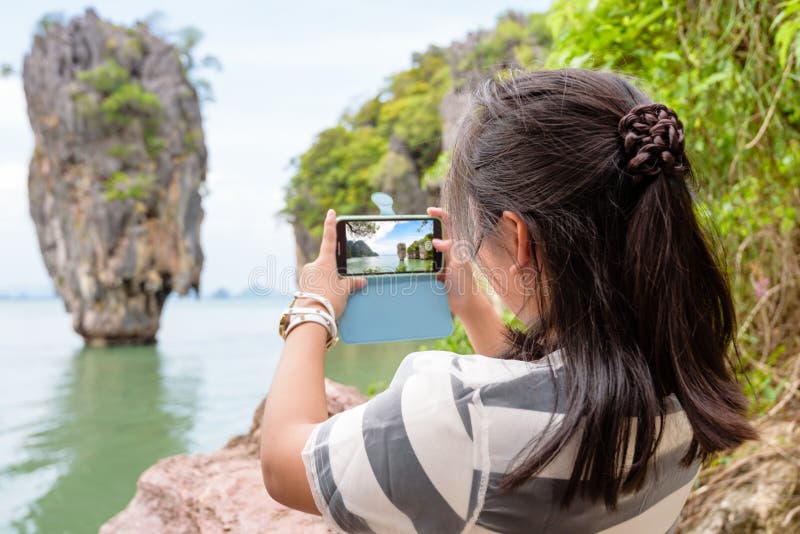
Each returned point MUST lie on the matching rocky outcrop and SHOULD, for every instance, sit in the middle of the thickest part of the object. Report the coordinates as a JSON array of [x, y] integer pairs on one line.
[[468, 69], [398, 177], [218, 492], [455, 101], [115, 178], [756, 491], [359, 249], [409, 169], [306, 246], [452, 108]]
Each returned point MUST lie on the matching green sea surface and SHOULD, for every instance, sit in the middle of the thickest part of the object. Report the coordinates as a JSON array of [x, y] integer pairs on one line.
[[78, 425], [387, 264]]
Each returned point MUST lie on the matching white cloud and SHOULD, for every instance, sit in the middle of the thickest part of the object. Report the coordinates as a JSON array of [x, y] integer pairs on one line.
[[384, 227], [374, 242]]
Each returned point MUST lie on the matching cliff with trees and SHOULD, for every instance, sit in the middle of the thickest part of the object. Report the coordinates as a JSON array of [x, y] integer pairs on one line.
[[398, 140], [732, 69]]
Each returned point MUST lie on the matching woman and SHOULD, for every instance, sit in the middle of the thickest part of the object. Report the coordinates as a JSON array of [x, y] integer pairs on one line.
[[572, 188]]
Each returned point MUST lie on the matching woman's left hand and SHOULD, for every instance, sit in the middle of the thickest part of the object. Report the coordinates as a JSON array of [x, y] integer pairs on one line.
[[321, 275]]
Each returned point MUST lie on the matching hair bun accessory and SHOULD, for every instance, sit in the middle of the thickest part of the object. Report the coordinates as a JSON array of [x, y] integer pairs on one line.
[[653, 142]]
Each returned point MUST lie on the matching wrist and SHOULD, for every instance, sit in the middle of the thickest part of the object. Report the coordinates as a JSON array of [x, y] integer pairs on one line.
[[329, 303], [309, 307], [318, 332]]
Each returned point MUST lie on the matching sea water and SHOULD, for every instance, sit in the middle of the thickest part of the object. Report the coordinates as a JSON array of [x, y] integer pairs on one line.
[[387, 264], [78, 425]]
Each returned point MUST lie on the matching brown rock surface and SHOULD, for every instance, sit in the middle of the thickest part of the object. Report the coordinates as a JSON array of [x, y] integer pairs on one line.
[[758, 491], [218, 492]]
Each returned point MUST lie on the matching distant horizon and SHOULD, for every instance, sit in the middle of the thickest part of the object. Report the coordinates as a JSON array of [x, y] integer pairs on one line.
[[244, 293]]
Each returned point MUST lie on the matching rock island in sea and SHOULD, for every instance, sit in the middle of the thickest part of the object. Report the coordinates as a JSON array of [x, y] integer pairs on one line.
[[115, 178]]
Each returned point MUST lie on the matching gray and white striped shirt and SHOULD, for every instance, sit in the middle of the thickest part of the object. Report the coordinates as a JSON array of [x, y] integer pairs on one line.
[[426, 455]]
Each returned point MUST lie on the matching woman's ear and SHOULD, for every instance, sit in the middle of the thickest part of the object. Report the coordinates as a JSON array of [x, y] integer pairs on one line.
[[518, 231]]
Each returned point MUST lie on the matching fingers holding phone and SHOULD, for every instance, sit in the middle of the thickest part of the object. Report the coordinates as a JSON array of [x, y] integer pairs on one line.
[[388, 245], [321, 277], [457, 272]]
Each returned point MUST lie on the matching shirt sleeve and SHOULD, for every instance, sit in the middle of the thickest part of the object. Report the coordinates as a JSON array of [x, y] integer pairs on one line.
[[408, 460]]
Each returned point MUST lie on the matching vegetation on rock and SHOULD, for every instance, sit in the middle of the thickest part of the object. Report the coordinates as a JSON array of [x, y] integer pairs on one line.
[[396, 137], [421, 249], [359, 249]]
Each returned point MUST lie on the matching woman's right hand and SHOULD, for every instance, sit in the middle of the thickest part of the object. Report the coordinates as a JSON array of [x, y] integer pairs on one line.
[[484, 327], [462, 290]]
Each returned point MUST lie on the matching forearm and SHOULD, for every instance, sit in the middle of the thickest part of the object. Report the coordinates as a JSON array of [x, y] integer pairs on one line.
[[297, 392], [296, 400], [295, 403], [484, 327]]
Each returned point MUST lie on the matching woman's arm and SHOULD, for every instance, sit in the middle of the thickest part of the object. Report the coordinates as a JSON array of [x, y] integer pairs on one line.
[[467, 301], [296, 401]]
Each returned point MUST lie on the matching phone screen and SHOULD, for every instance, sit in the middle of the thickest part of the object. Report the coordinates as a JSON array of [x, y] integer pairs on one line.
[[387, 246]]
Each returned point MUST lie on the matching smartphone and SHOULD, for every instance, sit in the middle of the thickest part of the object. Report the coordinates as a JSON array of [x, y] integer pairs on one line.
[[395, 244]]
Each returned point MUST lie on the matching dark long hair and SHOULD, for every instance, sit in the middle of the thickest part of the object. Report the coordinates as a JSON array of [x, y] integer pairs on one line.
[[629, 284]]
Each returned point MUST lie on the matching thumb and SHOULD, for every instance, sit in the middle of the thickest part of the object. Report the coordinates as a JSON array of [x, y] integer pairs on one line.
[[354, 284], [442, 245], [327, 248], [445, 246]]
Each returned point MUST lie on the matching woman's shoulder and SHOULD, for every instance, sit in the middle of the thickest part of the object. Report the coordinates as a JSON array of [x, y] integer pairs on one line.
[[473, 370]]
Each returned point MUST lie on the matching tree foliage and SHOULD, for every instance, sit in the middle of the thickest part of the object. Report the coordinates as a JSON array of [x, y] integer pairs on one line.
[[336, 171], [186, 41], [343, 166], [110, 96], [730, 70], [362, 228]]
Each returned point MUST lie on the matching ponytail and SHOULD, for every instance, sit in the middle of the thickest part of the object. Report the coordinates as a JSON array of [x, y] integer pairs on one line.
[[668, 261]]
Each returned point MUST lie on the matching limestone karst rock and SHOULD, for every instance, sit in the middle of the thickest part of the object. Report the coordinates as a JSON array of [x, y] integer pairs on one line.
[[115, 178]]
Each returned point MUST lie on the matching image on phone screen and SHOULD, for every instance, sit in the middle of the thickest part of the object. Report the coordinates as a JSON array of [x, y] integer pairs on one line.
[[384, 246]]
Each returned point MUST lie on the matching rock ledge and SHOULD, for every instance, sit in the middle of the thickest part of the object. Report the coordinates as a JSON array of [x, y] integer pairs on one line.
[[221, 491]]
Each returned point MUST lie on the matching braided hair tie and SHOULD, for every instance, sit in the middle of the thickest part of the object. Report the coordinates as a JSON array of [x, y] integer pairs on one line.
[[653, 143]]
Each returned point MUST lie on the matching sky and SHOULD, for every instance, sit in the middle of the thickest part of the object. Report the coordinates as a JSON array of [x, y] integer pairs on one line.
[[390, 233], [289, 70]]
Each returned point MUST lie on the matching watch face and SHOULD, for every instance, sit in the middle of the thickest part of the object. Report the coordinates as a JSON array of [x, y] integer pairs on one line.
[[283, 323]]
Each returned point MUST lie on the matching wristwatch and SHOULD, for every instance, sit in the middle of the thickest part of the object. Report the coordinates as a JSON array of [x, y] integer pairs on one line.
[[293, 316]]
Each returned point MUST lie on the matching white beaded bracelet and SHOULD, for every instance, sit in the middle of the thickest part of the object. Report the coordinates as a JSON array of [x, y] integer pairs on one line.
[[294, 316], [301, 313], [313, 296], [297, 320]]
